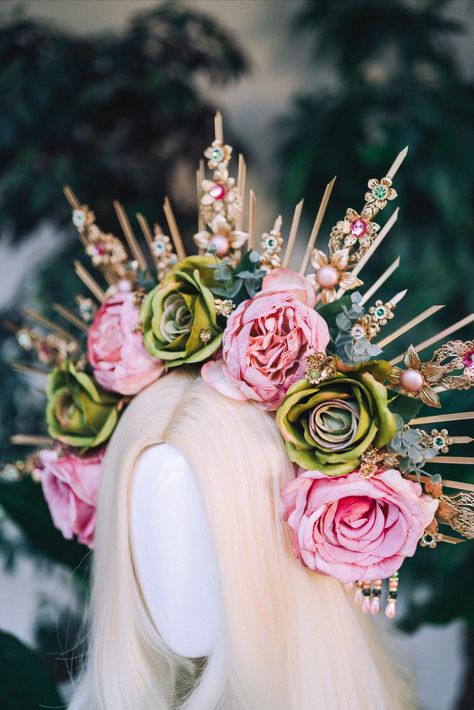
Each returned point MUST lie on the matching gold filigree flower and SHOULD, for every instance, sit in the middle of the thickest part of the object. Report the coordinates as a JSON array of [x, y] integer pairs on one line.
[[227, 241], [418, 379], [331, 273], [218, 155], [355, 228], [380, 191]]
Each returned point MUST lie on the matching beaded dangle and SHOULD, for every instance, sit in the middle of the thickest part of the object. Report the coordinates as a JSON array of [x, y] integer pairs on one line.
[[366, 594], [390, 609], [375, 596]]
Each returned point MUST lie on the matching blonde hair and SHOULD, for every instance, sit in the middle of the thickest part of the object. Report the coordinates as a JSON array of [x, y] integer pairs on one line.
[[292, 639]]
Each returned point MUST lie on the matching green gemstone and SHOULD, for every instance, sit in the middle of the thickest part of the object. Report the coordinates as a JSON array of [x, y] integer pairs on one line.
[[380, 312], [380, 192], [313, 374], [217, 154], [271, 243], [439, 442]]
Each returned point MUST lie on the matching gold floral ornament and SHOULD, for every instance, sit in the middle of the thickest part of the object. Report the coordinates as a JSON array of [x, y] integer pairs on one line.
[[370, 324], [271, 244], [50, 349], [220, 205], [419, 379], [354, 229], [374, 460], [456, 356], [380, 192], [437, 440], [163, 253], [106, 251], [319, 367], [331, 273]]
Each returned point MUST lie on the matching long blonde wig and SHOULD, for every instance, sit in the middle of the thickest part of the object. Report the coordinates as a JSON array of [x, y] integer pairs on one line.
[[291, 639]]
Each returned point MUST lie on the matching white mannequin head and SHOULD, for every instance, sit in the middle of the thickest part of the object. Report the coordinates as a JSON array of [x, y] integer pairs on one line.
[[287, 638]]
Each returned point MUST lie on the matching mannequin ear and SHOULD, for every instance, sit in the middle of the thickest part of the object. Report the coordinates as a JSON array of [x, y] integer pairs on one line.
[[173, 552]]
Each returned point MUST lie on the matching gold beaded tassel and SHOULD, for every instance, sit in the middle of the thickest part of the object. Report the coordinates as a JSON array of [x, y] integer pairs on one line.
[[390, 609], [358, 594], [366, 594]]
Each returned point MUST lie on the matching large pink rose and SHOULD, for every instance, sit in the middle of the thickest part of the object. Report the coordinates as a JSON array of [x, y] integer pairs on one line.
[[354, 528], [267, 340], [116, 352], [70, 484]]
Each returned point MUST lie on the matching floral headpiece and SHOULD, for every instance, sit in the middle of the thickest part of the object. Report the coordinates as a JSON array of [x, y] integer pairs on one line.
[[297, 345]]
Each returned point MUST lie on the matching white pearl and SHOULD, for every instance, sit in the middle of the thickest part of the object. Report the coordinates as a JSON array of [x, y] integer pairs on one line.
[[411, 380], [327, 276], [221, 243]]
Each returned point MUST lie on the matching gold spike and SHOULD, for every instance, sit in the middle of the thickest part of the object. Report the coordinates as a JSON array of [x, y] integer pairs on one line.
[[462, 439], [438, 336], [199, 179], [174, 231], [409, 325], [145, 227], [397, 162], [130, 236], [440, 418], [252, 219], [380, 281], [445, 483], [371, 250], [464, 460], [28, 370], [241, 180], [317, 226], [46, 323], [89, 281], [70, 317], [293, 232], [71, 197], [218, 127], [30, 440]]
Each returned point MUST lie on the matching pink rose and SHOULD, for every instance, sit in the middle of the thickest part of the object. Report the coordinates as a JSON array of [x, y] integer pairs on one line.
[[354, 528], [267, 340], [70, 484], [117, 353]]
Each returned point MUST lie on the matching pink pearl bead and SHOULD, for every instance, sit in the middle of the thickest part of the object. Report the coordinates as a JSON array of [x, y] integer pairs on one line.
[[221, 243], [123, 286], [375, 606], [411, 380], [327, 276], [390, 609], [366, 605], [358, 596]]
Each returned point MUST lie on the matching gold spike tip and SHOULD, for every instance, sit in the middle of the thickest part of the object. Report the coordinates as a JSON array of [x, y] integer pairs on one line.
[[397, 163]]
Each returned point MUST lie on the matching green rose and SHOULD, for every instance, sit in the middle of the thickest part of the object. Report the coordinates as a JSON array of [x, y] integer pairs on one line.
[[179, 317], [328, 426], [79, 412]]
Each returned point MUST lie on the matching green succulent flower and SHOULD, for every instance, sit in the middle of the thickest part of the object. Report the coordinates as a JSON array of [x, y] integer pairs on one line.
[[178, 316], [79, 413], [328, 426]]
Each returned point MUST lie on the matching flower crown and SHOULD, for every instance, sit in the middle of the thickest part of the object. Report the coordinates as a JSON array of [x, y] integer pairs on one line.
[[297, 345]]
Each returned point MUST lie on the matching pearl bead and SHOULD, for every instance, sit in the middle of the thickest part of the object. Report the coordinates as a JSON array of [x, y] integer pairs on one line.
[[411, 380], [221, 243], [327, 276], [123, 286]]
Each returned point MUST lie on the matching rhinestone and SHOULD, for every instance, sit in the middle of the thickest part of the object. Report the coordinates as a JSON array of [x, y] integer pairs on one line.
[[217, 154], [358, 228], [158, 248], [380, 312], [468, 359], [217, 191], [78, 218], [24, 339], [380, 192]]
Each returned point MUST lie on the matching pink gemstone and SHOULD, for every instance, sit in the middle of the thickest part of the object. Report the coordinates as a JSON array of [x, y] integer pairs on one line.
[[358, 228], [327, 276], [98, 250], [221, 243], [217, 191], [411, 380], [468, 359]]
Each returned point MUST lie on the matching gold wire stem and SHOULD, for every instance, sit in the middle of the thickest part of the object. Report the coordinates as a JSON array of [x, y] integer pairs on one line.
[[371, 250], [409, 325], [317, 225], [129, 235], [71, 197], [30, 440], [438, 336], [293, 232], [397, 162], [440, 418], [380, 281], [70, 317], [28, 370], [46, 323], [89, 281], [174, 231], [218, 127]]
